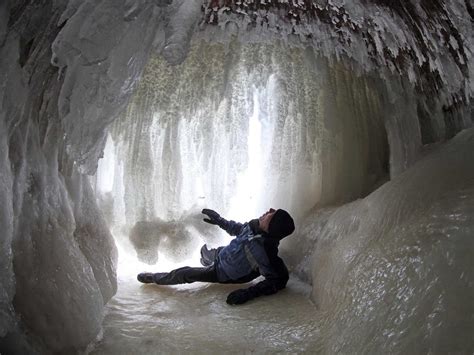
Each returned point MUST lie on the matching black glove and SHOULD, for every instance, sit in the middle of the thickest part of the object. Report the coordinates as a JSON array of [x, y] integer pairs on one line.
[[240, 296], [214, 217]]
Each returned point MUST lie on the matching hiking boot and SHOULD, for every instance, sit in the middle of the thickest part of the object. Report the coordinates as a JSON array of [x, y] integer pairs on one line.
[[146, 277], [207, 256]]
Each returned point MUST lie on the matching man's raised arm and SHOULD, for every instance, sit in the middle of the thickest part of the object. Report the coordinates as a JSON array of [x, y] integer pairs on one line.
[[231, 227]]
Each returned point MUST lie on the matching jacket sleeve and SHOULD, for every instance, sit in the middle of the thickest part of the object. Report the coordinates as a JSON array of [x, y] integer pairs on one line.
[[231, 227], [276, 278]]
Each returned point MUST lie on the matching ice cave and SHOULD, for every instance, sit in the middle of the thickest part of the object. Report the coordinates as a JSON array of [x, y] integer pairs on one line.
[[120, 120]]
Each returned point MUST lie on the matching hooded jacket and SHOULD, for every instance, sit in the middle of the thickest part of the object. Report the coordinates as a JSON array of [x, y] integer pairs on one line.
[[250, 254]]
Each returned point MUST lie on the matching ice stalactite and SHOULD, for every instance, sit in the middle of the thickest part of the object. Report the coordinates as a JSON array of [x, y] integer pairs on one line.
[[427, 40], [427, 43], [182, 21]]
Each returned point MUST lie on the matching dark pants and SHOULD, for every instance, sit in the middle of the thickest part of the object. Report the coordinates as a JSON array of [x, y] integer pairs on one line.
[[186, 275]]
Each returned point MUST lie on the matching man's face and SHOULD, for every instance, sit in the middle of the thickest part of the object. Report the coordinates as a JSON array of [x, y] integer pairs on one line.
[[264, 220]]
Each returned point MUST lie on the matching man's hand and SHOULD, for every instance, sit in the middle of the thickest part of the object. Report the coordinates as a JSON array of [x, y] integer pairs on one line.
[[214, 217], [240, 296]]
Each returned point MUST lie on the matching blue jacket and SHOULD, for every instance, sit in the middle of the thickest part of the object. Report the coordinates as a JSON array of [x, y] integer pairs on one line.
[[250, 254]]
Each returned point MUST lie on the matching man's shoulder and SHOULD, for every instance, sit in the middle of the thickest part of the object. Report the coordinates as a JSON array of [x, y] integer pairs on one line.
[[246, 230]]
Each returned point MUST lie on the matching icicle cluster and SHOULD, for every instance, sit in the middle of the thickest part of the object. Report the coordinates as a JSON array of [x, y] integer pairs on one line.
[[428, 41]]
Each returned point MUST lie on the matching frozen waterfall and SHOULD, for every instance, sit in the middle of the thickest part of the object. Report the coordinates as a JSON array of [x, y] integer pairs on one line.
[[243, 127], [121, 119]]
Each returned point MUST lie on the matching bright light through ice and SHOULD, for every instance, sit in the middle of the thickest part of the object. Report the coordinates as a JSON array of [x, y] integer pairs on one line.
[[105, 170], [245, 203], [129, 265]]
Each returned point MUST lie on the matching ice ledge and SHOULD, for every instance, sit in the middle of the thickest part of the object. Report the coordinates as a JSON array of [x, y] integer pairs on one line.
[[429, 42]]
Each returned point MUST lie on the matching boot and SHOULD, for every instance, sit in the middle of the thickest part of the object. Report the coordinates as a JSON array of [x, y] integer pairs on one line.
[[146, 278], [208, 256]]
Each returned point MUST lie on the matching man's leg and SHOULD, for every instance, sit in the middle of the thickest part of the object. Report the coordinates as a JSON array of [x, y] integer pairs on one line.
[[186, 275]]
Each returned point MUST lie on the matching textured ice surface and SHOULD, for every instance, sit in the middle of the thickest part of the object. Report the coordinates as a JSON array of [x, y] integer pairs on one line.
[[175, 238], [184, 15], [151, 319], [101, 50], [57, 257], [7, 281], [393, 271], [92, 235], [413, 38]]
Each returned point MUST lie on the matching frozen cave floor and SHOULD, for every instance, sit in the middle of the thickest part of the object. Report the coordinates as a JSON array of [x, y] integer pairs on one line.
[[194, 318]]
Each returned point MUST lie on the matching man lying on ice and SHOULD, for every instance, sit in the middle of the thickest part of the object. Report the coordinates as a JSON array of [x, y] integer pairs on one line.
[[253, 252]]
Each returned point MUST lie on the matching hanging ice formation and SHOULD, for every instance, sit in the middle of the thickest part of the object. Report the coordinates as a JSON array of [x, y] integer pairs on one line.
[[302, 104]]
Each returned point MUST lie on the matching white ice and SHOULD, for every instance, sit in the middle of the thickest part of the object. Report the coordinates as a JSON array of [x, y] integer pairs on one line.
[[335, 119]]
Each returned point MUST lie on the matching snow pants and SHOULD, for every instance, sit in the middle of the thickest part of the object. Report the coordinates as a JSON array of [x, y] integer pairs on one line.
[[208, 273], [185, 275]]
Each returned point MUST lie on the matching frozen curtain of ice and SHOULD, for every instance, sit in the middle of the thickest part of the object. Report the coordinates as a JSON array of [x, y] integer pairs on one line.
[[393, 77], [244, 121]]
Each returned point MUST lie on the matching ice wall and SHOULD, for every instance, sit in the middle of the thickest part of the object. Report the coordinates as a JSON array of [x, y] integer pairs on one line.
[[67, 70], [57, 256], [393, 271]]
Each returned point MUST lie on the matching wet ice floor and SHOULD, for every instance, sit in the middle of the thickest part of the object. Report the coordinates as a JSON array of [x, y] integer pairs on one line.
[[152, 319]]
